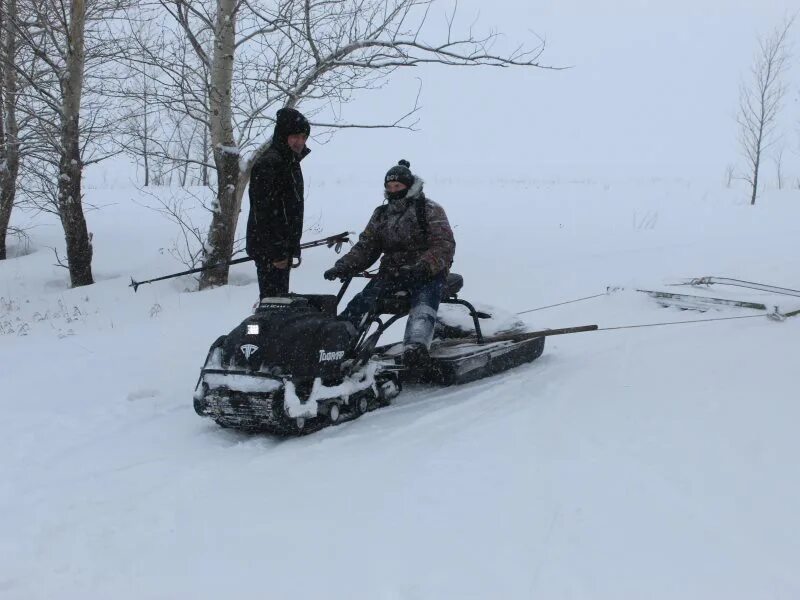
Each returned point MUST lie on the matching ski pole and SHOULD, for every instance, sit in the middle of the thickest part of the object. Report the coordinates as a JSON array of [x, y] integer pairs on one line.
[[333, 241]]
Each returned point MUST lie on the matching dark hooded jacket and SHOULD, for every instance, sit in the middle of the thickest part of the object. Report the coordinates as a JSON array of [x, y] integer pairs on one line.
[[396, 230], [275, 223]]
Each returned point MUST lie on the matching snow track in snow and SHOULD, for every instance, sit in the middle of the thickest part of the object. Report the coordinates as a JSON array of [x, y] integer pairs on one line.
[[650, 463]]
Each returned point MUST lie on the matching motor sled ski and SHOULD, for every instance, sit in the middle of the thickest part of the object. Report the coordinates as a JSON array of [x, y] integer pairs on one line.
[[294, 367]]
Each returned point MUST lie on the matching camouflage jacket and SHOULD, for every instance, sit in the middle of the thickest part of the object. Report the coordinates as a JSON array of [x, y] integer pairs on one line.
[[396, 232]]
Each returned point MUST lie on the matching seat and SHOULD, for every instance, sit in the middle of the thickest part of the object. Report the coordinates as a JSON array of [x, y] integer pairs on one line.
[[399, 303]]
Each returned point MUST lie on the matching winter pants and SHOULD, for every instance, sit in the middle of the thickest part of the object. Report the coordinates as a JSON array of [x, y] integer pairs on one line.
[[271, 280], [425, 297]]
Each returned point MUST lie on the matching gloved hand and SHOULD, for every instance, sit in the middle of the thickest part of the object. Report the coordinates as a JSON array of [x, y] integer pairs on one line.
[[413, 273], [336, 273]]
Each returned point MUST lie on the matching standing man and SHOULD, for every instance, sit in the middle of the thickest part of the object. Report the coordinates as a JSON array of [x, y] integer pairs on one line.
[[275, 223]]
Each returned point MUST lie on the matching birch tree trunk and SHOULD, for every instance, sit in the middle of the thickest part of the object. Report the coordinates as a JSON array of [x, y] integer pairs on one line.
[[70, 208], [146, 131], [756, 164], [226, 155], [9, 133]]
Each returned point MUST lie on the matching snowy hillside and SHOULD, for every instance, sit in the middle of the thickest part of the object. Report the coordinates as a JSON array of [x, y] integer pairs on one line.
[[642, 463]]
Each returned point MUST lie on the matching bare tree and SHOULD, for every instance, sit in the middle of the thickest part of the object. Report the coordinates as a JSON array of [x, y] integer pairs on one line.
[[730, 174], [79, 247], [777, 158], [74, 45], [140, 121], [23, 239], [57, 39], [760, 101], [187, 248], [247, 58], [9, 127]]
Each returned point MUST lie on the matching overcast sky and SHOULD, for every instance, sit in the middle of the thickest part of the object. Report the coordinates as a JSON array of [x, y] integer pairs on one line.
[[653, 90]]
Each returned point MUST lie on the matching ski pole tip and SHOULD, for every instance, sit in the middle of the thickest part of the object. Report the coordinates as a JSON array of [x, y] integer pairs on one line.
[[134, 284]]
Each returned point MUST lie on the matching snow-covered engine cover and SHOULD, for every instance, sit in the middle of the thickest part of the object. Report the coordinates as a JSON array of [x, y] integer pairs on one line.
[[292, 336]]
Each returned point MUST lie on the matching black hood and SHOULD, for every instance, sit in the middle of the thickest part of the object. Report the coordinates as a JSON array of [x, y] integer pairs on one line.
[[289, 121]]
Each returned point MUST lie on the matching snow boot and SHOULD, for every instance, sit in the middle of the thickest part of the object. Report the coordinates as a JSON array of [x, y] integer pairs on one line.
[[416, 356]]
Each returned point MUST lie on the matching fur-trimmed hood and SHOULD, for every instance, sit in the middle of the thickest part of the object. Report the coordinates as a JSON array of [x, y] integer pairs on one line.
[[414, 192], [408, 231]]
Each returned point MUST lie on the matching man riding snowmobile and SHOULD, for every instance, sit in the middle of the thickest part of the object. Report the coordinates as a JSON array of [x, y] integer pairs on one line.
[[414, 236], [294, 366]]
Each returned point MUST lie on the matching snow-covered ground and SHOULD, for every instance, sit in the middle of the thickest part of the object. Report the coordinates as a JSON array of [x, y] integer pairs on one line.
[[640, 463]]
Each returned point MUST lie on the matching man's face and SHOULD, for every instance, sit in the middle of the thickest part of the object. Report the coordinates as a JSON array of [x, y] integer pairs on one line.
[[297, 141], [395, 186]]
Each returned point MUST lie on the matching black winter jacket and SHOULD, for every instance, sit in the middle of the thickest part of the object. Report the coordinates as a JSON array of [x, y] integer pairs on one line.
[[275, 223]]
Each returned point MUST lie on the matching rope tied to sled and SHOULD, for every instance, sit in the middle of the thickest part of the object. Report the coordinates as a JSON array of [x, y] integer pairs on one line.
[[530, 310], [681, 322], [774, 315]]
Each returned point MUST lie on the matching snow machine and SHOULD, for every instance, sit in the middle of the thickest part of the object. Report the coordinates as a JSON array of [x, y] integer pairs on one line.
[[294, 366]]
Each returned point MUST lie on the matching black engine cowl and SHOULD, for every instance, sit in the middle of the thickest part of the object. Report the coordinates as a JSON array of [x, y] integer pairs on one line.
[[290, 336]]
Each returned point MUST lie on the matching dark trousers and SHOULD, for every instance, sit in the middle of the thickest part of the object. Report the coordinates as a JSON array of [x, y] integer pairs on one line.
[[425, 297], [271, 280]]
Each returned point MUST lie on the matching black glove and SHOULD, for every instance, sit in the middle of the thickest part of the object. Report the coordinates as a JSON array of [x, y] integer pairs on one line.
[[336, 273], [415, 273]]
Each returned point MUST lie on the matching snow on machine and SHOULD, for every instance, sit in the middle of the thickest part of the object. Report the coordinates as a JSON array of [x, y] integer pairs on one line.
[[294, 366]]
